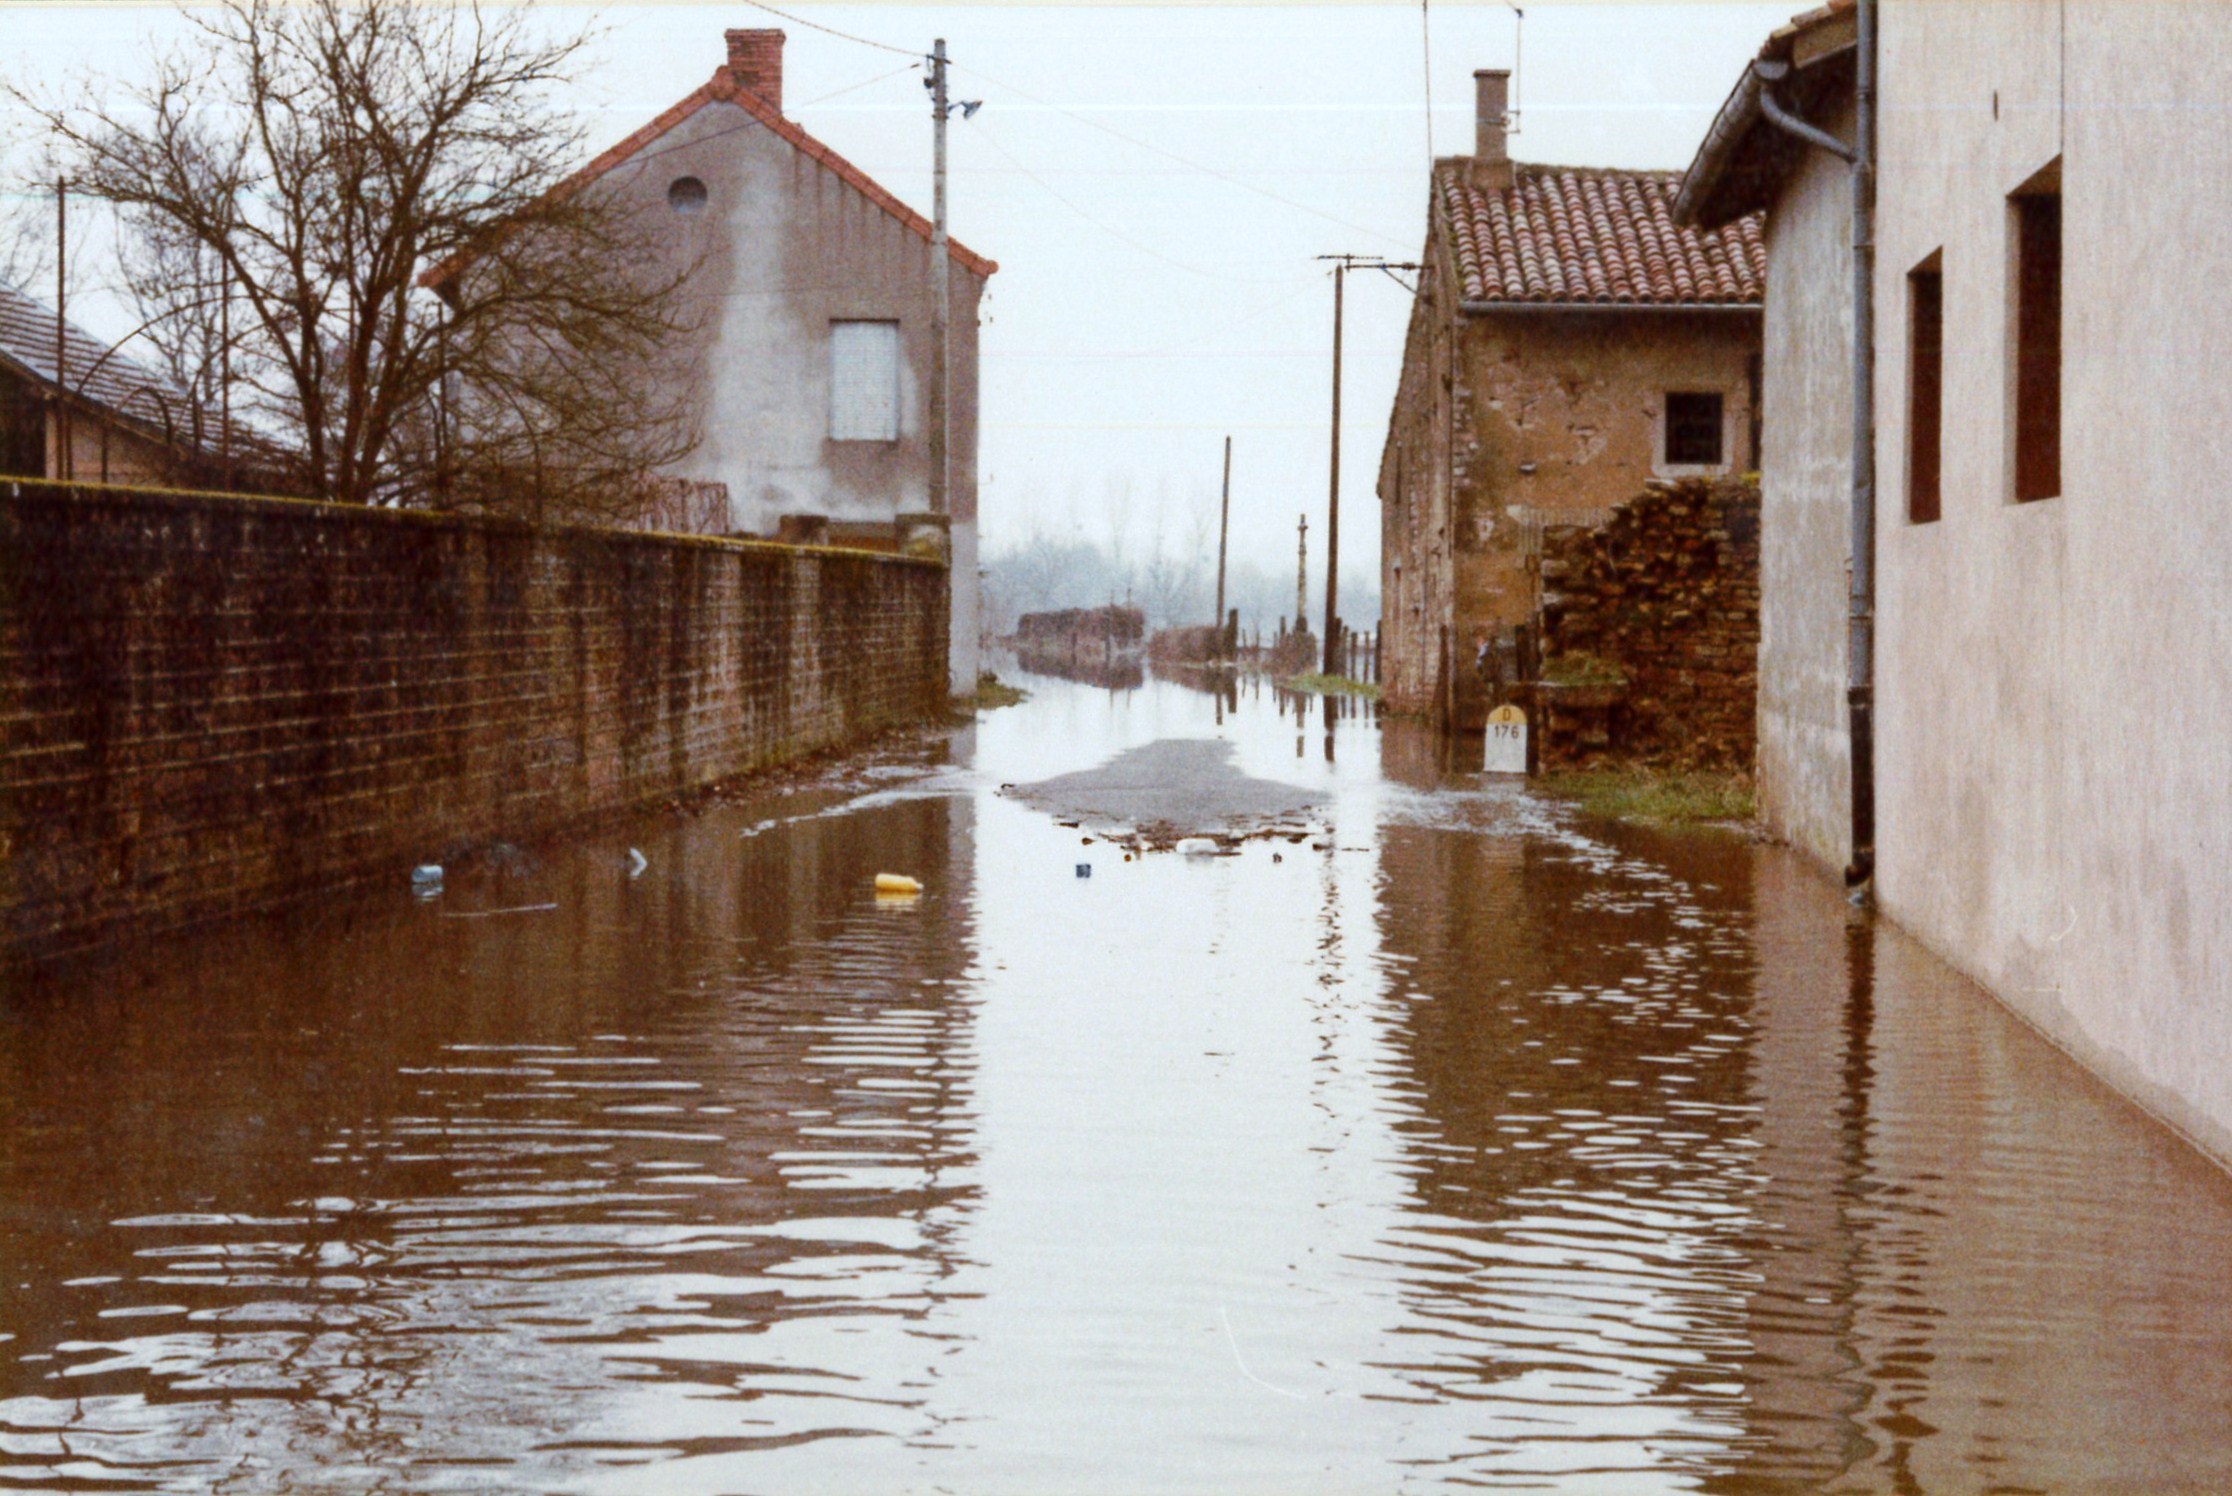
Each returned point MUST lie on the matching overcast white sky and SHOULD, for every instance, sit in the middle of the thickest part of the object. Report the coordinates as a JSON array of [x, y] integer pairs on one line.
[[1155, 182]]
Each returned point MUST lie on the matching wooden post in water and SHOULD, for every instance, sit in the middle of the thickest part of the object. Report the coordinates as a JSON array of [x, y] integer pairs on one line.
[[1224, 522]]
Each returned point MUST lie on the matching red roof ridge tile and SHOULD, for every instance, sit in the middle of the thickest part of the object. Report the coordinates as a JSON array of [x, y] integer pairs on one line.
[[722, 88]]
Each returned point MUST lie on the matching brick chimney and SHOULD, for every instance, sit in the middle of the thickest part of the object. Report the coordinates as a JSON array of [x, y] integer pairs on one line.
[[755, 61], [1491, 169]]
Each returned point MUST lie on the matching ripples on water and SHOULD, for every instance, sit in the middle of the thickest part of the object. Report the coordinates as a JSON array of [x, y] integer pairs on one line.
[[1484, 1148]]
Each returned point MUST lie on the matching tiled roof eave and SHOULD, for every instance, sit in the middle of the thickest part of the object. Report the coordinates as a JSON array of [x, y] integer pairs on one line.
[[1486, 304], [1592, 238]]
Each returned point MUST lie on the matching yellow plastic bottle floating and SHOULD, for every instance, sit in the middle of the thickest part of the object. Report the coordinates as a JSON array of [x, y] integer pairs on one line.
[[898, 883]]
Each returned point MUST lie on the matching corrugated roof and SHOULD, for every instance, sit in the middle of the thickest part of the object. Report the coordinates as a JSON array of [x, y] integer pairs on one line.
[[1563, 235], [94, 371]]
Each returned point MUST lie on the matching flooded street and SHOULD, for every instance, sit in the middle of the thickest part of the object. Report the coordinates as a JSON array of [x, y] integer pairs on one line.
[[1463, 1143]]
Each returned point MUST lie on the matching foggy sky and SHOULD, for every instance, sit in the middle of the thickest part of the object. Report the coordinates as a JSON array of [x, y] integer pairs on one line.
[[1147, 305]]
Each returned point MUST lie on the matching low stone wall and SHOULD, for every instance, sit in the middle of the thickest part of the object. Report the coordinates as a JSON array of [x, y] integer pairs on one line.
[[216, 704], [1098, 646], [1664, 600]]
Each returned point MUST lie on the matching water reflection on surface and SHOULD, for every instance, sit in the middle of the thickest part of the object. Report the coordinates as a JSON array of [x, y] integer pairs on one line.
[[1482, 1147]]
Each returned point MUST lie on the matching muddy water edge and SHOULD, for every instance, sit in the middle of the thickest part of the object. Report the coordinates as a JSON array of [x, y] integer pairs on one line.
[[1460, 1142]]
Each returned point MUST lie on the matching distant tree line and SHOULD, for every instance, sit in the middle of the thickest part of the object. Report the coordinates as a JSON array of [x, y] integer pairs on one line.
[[1172, 589]]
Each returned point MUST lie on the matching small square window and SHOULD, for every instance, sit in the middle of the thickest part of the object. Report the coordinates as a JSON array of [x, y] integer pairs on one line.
[[864, 381], [1693, 429]]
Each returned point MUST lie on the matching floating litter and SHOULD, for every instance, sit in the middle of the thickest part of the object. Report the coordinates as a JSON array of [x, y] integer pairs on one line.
[[637, 862], [426, 880], [1084, 870], [1198, 846], [898, 883]]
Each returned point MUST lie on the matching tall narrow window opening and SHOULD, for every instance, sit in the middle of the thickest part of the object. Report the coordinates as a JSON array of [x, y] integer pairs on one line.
[[864, 381], [2038, 343], [1925, 390]]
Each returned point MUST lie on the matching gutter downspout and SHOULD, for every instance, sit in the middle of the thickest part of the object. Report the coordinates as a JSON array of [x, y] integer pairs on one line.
[[1861, 658], [1860, 601]]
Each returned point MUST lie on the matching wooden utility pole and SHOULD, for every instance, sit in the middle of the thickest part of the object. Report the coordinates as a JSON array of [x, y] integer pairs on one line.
[[224, 375], [1224, 522], [941, 292], [1342, 264], [62, 463], [1333, 494]]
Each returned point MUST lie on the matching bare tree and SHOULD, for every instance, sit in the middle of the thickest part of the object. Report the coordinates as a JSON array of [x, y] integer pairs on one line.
[[178, 288], [320, 157]]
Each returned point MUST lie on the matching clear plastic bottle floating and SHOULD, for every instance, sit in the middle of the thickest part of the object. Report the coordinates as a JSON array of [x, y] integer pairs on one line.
[[897, 883]]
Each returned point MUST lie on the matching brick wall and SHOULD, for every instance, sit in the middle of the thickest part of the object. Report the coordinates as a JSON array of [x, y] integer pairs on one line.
[[1667, 595], [217, 704]]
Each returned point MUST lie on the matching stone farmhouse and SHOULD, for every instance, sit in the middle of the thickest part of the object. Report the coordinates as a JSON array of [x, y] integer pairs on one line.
[[1568, 344], [2052, 545]]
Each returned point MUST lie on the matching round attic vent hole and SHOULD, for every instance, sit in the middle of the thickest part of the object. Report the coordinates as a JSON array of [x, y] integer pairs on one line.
[[686, 195]]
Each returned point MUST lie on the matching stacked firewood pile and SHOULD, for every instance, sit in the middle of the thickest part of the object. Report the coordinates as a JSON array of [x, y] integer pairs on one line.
[[1650, 631]]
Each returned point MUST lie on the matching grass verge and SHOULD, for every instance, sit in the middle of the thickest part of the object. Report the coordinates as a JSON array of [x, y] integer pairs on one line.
[[1331, 685], [1580, 669], [993, 692], [1653, 797]]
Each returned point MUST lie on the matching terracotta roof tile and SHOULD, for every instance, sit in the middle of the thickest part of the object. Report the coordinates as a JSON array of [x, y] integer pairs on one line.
[[1563, 234]]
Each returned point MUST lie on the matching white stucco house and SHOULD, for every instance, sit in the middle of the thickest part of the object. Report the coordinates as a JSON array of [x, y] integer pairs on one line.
[[2053, 548], [812, 361]]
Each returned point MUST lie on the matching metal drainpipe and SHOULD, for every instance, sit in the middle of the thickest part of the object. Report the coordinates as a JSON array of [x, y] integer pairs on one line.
[[1861, 658], [1860, 609]]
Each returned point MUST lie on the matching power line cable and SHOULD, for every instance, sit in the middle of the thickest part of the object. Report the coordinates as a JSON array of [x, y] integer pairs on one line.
[[1185, 161], [912, 67], [797, 20], [1112, 231], [752, 123]]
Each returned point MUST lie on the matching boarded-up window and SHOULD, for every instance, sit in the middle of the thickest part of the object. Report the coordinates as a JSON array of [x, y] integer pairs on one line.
[[2038, 351], [1925, 391], [1693, 429], [864, 381]]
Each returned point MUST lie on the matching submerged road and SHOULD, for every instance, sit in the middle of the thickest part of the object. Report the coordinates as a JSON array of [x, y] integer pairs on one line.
[[1458, 1142]]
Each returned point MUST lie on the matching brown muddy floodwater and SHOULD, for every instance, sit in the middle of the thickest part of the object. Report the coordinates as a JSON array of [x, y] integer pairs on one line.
[[1484, 1147]]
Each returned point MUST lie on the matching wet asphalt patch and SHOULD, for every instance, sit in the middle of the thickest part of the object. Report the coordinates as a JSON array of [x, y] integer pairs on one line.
[[1154, 796]]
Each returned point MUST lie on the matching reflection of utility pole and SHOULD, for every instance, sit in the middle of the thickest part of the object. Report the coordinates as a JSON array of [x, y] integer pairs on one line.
[[1342, 265], [1224, 521], [1302, 575]]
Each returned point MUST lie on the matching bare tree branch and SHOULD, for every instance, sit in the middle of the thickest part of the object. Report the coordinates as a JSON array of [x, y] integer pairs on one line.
[[312, 160]]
